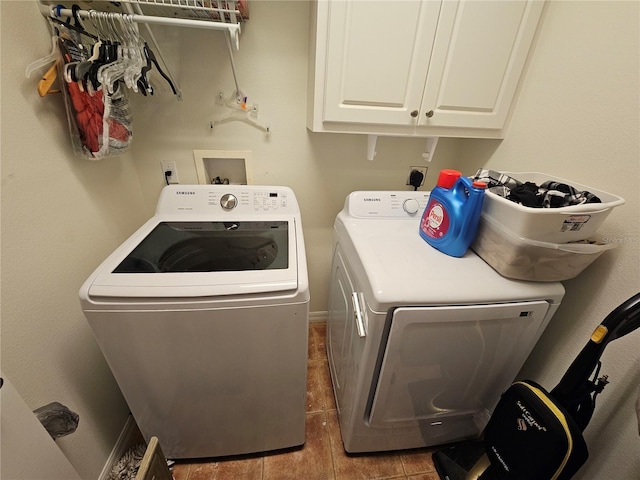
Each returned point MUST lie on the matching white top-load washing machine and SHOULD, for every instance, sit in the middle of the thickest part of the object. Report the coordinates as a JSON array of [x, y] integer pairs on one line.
[[420, 344], [202, 316]]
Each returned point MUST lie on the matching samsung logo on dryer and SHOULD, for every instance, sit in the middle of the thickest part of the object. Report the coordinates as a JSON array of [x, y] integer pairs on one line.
[[372, 199], [185, 192]]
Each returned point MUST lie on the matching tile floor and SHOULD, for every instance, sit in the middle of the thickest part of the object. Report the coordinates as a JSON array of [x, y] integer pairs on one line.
[[322, 457]]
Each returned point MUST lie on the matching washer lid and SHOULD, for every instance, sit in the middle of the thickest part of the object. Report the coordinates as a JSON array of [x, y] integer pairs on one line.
[[171, 257]]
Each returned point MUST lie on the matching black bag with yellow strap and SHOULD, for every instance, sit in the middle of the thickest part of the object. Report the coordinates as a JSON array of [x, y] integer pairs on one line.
[[531, 436], [534, 434]]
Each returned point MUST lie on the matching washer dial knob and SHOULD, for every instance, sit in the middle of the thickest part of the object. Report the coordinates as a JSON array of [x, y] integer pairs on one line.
[[411, 206], [228, 201]]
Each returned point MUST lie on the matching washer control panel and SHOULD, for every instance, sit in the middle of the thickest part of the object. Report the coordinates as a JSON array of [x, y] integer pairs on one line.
[[241, 199], [386, 204]]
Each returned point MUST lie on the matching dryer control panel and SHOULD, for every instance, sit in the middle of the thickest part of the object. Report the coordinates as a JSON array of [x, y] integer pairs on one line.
[[386, 204], [240, 199]]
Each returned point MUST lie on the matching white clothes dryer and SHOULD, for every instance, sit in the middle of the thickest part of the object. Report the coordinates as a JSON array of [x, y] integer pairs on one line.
[[420, 344], [202, 316]]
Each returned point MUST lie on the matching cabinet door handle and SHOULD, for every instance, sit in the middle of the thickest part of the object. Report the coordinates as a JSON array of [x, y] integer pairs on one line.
[[429, 114], [358, 314], [414, 113]]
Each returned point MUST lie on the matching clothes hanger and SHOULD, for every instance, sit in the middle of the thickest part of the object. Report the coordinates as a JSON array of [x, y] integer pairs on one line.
[[134, 45], [46, 82], [134, 59], [151, 59], [76, 71], [107, 52], [44, 61], [83, 68], [111, 73], [238, 112], [53, 55], [240, 117]]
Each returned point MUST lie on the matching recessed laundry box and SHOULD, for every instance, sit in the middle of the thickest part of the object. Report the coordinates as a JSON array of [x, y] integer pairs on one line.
[[202, 315], [555, 225]]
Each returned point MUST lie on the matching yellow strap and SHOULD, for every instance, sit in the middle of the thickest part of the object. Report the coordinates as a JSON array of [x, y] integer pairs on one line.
[[599, 333], [563, 421]]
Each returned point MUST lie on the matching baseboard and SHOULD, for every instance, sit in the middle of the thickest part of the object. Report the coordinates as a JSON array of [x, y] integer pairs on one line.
[[318, 316], [125, 441]]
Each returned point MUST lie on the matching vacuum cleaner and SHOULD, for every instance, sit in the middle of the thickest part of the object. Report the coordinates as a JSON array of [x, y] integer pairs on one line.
[[534, 434]]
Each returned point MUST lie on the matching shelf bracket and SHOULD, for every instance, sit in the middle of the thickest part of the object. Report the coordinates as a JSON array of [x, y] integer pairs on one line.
[[371, 146], [427, 156], [432, 143]]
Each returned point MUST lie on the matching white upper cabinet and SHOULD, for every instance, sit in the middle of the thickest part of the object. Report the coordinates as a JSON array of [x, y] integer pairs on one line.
[[377, 61], [418, 67]]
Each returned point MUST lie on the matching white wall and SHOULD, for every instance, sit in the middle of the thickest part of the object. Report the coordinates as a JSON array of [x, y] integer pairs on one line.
[[272, 70], [578, 118], [61, 216]]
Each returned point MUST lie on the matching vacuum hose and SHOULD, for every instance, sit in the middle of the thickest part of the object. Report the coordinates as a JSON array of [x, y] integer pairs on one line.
[[575, 392]]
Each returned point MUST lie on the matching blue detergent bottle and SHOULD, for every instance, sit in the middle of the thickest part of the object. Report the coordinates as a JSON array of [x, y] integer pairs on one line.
[[450, 221]]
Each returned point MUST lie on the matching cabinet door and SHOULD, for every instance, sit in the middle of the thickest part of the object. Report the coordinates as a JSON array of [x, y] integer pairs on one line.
[[478, 55], [378, 55]]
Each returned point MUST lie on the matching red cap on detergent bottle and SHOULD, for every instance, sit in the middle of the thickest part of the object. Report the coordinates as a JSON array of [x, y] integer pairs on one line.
[[448, 177]]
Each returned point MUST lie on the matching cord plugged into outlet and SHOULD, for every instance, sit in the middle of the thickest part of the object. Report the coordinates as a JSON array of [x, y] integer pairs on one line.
[[416, 177], [170, 172]]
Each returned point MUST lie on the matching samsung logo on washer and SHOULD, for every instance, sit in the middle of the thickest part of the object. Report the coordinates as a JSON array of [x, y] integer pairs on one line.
[[185, 192], [372, 199]]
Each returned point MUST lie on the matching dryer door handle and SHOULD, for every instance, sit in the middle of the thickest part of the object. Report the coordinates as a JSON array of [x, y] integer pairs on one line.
[[358, 313]]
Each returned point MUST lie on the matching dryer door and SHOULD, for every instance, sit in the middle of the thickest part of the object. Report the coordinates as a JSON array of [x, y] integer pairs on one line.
[[447, 366]]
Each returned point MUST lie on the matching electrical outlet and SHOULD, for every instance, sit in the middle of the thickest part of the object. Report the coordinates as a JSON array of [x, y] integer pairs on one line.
[[422, 170], [169, 172]]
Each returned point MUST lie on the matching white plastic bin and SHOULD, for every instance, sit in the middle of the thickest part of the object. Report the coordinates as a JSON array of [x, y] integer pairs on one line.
[[513, 256], [555, 225]]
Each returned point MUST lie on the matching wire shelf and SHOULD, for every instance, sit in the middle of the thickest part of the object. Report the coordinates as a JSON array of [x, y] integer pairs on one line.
[[226, 11], [223, 11]]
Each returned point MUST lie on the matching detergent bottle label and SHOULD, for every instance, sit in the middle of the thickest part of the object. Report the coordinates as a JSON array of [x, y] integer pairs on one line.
[[435, 223]]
